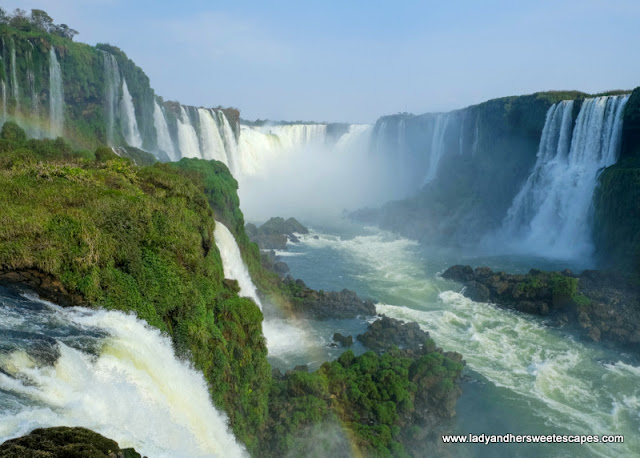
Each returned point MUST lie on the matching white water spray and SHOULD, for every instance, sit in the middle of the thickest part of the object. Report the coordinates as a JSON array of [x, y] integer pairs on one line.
[[187, 136], [111, 373]]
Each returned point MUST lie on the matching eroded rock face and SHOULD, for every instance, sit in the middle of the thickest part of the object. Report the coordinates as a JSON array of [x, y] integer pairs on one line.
[[43, 284], [605, 306], [386, 333], [274, 234], [64, 442], [323, 305]]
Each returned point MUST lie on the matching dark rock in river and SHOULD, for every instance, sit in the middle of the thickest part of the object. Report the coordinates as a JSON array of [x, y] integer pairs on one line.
[[604, 305], [345, 341], [274, 234], [63, 442], [386, 333], [322, 305]]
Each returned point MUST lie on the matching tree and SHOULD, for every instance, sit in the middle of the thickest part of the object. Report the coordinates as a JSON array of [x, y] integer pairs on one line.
[[65, 31], [41, 20]]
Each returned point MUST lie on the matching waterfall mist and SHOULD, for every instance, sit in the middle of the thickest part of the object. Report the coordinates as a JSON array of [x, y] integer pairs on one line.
[[310, 176]]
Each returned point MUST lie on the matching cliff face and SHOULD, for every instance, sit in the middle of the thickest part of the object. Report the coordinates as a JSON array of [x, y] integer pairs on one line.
[[484, 154], [617, 198], [103, 97]]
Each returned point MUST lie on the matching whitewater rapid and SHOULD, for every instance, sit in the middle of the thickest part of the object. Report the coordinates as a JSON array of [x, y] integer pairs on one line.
[[530, 378], [106, 371]]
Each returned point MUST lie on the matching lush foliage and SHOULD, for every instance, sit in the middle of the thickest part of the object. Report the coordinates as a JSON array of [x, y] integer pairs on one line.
[[373, 398], [135, 239]]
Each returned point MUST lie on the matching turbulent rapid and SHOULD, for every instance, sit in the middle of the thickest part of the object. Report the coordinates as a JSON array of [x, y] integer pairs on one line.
[[108, 372], [525, 377]]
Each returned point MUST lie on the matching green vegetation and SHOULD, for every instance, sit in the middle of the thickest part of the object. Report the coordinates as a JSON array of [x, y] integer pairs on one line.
[[617, 199], [140, 239], [135, 239], [373, 397]]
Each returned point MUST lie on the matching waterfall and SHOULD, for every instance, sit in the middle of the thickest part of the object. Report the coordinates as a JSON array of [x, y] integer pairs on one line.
[[232, 263], [112, 94], [128, 118], [551, 214], [187, 136], [230, 143], [5, 114], [437, 146], [14, 79], [56, 96], [164, 141], [210, 139], [106, 371]]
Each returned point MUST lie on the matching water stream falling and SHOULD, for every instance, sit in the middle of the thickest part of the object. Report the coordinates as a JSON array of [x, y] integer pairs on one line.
[[56, 96], [105, 371], [128, 118], [232, 263], [164, 141], [112, 94], [210, 139], [551, 213], [14, 78]]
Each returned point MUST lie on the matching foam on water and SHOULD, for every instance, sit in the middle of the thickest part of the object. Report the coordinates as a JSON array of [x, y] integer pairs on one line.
[[562, 382], [130, 388]]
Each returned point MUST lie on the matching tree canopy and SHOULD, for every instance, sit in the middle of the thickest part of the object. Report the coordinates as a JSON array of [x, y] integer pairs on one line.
[[37, 20]]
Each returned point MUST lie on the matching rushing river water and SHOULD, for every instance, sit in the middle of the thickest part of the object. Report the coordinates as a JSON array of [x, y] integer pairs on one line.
[[106, 371], [524, 376]]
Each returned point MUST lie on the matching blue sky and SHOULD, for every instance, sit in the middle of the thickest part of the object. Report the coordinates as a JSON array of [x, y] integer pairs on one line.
[[356, 60]]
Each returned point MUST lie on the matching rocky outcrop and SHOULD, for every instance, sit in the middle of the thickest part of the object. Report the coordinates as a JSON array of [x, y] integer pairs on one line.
[[345, 341], [45, 285], [64, 442], [274, 234], [386, 333], [604, 306], [321, 305]]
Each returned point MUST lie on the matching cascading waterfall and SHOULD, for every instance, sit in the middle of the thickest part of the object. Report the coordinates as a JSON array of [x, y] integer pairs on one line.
[[5, 113], [187, 136], [551, 214], [14, 78], [437, 146], [232, 263], [56, 96], [128, 118], [105, 371], [112, 94], [210, 139], [164, 141], [230, 142]]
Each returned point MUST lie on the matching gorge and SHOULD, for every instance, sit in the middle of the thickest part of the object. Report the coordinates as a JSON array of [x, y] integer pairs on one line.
[[159, 325]]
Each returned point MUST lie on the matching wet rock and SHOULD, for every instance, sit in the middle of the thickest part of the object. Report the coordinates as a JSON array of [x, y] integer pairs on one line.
[[64, 441], [323, 305], [477, 292], [604, 305], [386, 333], [345, 341], [274, 234]]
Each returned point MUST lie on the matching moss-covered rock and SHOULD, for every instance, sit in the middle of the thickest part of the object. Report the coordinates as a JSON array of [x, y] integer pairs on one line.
[[136, 239], [64, 442], [603, 305]]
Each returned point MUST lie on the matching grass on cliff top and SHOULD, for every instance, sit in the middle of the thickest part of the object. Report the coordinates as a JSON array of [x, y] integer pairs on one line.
[[136, 239]]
